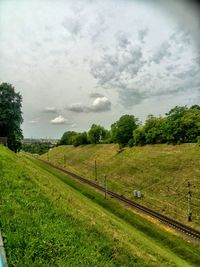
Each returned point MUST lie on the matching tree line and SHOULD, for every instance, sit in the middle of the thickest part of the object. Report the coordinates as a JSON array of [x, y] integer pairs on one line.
[[37, 148], [180, 125], [11, 116]]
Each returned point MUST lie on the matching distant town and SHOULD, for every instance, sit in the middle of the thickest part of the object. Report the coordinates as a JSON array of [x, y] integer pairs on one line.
[[40, 140]]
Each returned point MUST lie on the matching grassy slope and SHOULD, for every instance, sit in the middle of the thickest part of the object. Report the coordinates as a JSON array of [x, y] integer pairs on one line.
[[161, 172], [48, 223]]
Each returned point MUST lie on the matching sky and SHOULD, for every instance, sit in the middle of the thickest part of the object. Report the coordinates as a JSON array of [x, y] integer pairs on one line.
[[81, 62]]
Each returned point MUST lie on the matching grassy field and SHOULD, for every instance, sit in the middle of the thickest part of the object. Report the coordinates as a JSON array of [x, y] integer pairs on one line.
[[161, 172], [47, 219]]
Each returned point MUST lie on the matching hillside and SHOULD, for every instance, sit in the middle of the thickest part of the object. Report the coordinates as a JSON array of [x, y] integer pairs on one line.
[[49, 220], [161, 172]]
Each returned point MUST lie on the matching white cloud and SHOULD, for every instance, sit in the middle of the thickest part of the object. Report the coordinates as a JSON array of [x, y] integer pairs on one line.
[[58, 120], [100, 104]]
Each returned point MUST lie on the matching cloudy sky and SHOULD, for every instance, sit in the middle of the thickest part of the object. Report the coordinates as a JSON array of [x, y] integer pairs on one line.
[[82, 62]]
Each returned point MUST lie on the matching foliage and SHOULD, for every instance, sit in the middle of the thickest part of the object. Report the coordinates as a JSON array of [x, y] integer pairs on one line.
[[37, 148], [183, 124], [175, 133], [179, 125], [80, 139], [198, 140], [11, 116], [139, 136], [96, 134], [108, 138], [154, 129], [67, 138], [122, 130]]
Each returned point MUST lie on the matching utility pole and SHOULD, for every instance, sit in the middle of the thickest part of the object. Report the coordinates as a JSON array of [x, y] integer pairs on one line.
[[189, 203], [64, 160], [105, 185], [95, 170]]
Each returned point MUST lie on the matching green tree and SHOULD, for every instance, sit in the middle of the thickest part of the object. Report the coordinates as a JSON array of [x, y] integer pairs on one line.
[[96, 133], [139, 136], [36, 148], [175, 132], [190, 124], [11, 116], [80, 139], [67, 138], [122, 130], [154, 130]]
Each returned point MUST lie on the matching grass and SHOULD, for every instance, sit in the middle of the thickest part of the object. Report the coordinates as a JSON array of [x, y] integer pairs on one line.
[[161, 172], [49, 220]]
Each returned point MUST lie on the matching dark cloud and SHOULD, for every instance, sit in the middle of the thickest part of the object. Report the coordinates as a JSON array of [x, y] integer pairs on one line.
[[162, 52], [131, 97], [100, 104], [197, 59], [180, 36], [114, 69], [122, 39], [184, 74], [77, 107], [142, 34], [171, 67], [95, 95]]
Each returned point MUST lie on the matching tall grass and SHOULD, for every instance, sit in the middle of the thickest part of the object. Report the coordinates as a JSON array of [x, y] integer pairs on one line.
[[160, 172]]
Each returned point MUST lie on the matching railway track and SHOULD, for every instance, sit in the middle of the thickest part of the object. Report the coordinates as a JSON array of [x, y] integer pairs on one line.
[[162, 218]]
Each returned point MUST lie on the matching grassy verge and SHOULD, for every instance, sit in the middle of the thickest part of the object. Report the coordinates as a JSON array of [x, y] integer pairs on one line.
[[46, 222]]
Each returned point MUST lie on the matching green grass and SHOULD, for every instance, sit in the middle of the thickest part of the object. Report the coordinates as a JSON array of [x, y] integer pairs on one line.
[[161, 172], [48, 219]]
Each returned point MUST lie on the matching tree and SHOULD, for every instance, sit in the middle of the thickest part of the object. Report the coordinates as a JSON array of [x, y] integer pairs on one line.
[[190, 124], [11, 116], [154, 130], [122, 130], [67, 138], [175, 132], [96, 133], [80, 139], [139, 136]]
